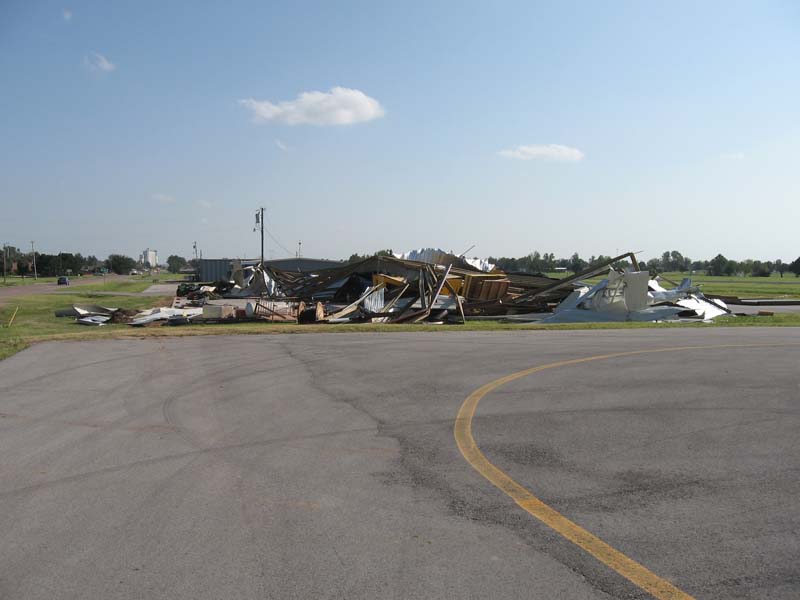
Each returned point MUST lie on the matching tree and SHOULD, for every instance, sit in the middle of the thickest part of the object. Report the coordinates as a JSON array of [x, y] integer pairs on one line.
[[718, 265], [91, 263], [655, 265], [120, 263], [175, 263], [47, 265], [795, 267], [69, 263], [761, 269], [576, 263], [679, 262], [357, 257], [780, 267]]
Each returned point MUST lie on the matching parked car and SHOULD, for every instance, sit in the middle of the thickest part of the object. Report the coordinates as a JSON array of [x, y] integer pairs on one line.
[[63, 281]]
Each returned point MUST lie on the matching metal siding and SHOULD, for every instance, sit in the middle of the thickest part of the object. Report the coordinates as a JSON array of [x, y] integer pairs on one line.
[[302, 264], [214, 269]]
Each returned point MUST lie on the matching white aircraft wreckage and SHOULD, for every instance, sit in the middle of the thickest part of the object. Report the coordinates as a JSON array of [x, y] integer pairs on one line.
[[633, 296]]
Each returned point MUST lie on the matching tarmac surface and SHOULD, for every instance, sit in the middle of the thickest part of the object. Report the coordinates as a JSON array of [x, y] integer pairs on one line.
[[325, 465]]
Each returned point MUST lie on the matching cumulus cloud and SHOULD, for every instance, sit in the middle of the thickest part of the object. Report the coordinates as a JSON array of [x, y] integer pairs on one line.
[[164, 198], [281, 145], [339, 106], [544, 151], [99, 63], [67, 14]]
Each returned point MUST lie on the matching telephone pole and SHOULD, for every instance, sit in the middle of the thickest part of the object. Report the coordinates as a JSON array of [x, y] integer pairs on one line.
[[260, 222], [35, 274]]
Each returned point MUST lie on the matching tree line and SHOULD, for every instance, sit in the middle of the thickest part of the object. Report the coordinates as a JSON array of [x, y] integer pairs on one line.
[[670, 261], [48, 265], [67, 263]]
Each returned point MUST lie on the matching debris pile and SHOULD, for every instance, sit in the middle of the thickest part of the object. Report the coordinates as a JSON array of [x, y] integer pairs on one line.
[[443, 288]]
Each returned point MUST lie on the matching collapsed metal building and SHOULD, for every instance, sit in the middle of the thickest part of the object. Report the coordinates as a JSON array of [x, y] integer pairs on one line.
[[388, 289], [444, 289]]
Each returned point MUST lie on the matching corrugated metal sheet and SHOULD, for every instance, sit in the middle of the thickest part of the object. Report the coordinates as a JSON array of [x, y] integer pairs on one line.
[[214, 269], [302, 265], [220, 269], [375, 301]]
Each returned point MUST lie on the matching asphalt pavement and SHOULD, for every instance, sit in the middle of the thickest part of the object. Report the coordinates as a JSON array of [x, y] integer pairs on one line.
[[325, 465]]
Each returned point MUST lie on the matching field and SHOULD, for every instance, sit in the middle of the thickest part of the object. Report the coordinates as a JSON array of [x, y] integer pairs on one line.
[[95, 280], [14, 281], [787, 286]]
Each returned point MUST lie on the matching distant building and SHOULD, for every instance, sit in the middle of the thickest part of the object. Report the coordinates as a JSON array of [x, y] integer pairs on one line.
[[149, 258]]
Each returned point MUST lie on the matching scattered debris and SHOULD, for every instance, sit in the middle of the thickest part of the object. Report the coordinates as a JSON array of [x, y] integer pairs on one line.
[[95, 320], [421, 286], [165, 314], [85, 310]]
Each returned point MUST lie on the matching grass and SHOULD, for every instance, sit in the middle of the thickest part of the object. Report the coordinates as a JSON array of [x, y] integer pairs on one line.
[[15, 281], [132, 285], [96, 280], [745, 287], [36, 322]]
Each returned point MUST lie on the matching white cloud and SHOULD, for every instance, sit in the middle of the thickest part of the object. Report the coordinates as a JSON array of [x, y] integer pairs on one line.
[[98, 62], [733, 156], [340, 106], [164, 198], [281, 145], [203, 204], [544, 151], [67, 14]]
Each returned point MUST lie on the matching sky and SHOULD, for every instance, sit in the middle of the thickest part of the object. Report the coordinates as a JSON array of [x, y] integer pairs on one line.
[[594, 127]]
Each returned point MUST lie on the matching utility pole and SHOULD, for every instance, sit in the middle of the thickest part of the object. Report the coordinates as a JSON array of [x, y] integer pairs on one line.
[[195, 250], [5, 255], [35, 274], [260, 223]]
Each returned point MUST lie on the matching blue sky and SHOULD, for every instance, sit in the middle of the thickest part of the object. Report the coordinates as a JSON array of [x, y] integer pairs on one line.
[[560, 126]]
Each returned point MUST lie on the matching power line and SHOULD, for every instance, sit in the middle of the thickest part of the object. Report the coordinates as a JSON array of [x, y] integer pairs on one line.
[[274, 239]]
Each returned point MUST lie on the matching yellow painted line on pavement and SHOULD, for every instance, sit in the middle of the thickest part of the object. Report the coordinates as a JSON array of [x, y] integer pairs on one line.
[[656, 586]]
